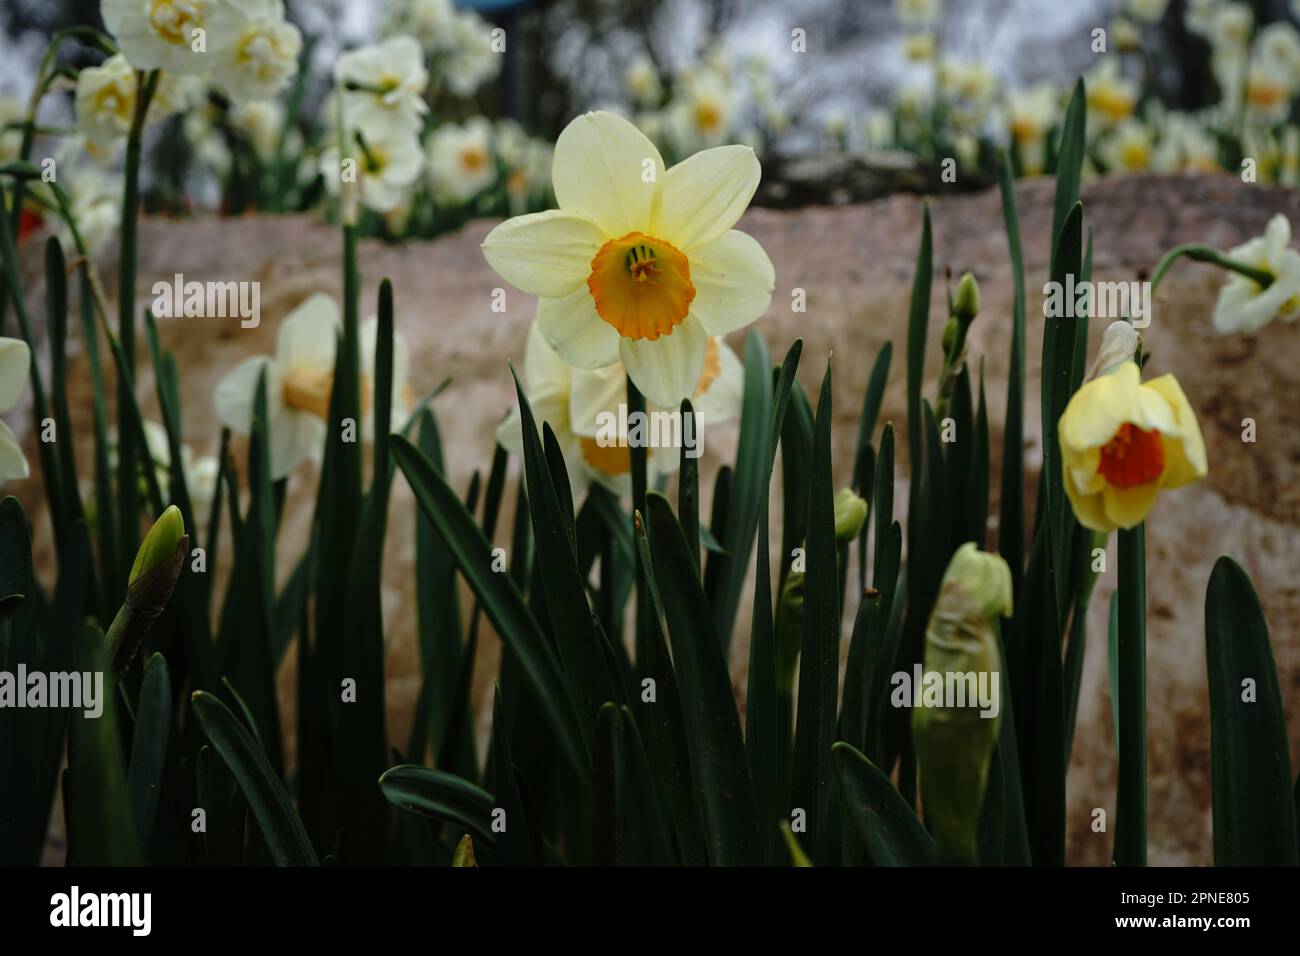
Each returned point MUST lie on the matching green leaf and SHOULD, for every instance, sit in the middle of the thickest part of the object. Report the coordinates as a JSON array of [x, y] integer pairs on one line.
[[516, 846], [442, 796], [1011, 519], [1069, 162], [1254, 811], [892, 833], [748, 488], [820, 654], [500, 597], [717, 754], [276, 818], [628, 827], [149, 748], [688, 487]]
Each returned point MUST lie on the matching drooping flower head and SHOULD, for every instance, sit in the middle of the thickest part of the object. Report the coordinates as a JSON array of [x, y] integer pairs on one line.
[[639, 263], [1245, 305], [1123, 441]]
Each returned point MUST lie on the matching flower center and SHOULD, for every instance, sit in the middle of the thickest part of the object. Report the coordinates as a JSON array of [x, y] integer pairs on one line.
[[708, 117], [609, 459], [173, 20], [473, 159], [308, 390], [1133, 457], [641, 285]]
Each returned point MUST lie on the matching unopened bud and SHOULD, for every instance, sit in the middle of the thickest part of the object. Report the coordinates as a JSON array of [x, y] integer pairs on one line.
[[1119, 343], [850, 515], [153, 577], [966, 304]]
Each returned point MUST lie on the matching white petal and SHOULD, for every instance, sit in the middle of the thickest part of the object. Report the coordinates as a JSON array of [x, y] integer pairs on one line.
[[733, 280], [598, 172], [309, 334], [668, 368], [543, 368], [572, 327], [703, 196], [544, 253], [595, 391], [721, 400], [294, 436], [15, 366], [234, 394], [13, 463]]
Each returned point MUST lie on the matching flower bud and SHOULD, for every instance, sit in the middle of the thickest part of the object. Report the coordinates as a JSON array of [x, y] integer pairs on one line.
[[966, 304], [958, 713], [159, 544], [850, 515], [153, 577], [1119, 343]]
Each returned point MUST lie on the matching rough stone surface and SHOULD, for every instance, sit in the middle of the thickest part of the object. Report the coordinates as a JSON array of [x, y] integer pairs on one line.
[[855, 264]]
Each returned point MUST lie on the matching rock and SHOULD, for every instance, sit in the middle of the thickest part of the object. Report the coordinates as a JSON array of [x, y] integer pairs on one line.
[[855, 264]]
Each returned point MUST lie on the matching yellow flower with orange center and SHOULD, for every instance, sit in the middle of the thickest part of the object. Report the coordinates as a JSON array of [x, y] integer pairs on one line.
[[640, 264], [1122, 442]]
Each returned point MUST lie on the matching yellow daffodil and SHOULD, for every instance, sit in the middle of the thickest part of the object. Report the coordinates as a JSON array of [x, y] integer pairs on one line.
[[1246, 306], [1122, 442], [638, 263], [15, 365], [460, 160], [179, 36]]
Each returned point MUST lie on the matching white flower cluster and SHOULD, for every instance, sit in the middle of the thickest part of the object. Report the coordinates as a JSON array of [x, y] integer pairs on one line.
[[458, 43]]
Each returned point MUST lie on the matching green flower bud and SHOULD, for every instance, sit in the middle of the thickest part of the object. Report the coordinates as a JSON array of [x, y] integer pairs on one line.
[[159, 544], [850, 515], [464, 855], [966, 304], [958, 713], [153, 578], [789, 630]]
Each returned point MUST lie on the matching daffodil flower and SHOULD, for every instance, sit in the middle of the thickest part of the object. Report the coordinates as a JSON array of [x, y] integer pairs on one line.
[[386, 165], [263, 56], [1122, 442], [298, 382], [1246, 305], [576, 403], [383, 85], [179, 36], [639, 263], [460, 160], [15, 366]]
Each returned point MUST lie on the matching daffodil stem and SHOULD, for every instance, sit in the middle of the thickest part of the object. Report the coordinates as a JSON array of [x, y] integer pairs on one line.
[[128, 505], [1203, 253], [1131, 803]]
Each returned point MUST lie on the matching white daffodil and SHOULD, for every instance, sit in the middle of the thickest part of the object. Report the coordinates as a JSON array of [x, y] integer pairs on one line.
[[468, 60], [384, 85], [95, 200], [583, 409], [385, 165], [1269, 87], [1185, 146], [402, 397], [1111, 97], [426, 20], [918, 13], [264, 55], [1128, 147], [919, 47], [105, 102], [1245, 306], [1031, 113], [298, 382], [642, 80], [262, 121], [1230, 24], [15, 366], [638, 263], [460, 160], [1126, 35], [179, 36], [1148, 11], [700, 116], [201, 482]]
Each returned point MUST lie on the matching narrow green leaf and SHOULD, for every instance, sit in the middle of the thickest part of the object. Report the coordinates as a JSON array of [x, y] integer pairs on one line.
[[149, 748], [442, 796], [1131, 799], [892, 833], [1011, 518], [283, 831], [1254, 808]]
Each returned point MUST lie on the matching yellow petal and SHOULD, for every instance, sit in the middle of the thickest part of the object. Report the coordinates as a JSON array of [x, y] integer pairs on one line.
[[1097, 410], [702, 197], [1088, 508], [733, 280], [545, 253], [602, 171], [1127, 507], [1185, 452]]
